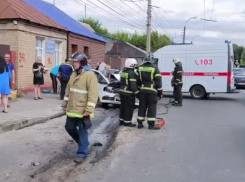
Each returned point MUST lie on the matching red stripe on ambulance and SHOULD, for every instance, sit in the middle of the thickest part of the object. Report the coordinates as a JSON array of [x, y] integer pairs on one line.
[[199, 74]]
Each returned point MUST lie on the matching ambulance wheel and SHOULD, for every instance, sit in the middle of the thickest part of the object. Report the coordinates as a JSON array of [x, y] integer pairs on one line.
[[198, 92]]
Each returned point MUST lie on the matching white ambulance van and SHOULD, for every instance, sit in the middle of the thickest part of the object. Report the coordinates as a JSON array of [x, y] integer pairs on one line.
[[208, 69]]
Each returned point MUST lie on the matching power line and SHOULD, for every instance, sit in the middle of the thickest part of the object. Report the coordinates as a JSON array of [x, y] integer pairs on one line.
[[161, 26], [120, 9], [122, 20], [79, 2], [114, 10], [212, 11]]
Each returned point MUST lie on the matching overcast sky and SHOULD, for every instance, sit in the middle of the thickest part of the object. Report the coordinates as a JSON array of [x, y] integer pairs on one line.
[[169, 18]]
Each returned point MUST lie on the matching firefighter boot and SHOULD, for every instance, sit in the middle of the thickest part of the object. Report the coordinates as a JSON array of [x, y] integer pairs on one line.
[[121, 123], [152, 126], [129, 125], [140, 125]]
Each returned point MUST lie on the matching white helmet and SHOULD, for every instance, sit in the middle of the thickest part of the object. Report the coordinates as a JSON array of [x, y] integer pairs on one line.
[[176, 60], [130, 63]]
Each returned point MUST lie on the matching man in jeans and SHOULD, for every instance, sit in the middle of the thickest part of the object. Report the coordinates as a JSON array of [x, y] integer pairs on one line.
[[11, 71], [65, 71], [79, 103]]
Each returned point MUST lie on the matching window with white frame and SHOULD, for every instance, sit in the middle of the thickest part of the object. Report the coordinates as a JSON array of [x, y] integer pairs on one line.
[[57, 53], [40, 49]]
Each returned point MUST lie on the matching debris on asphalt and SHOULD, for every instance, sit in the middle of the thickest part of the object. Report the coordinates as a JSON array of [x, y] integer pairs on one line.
[[35, 163]]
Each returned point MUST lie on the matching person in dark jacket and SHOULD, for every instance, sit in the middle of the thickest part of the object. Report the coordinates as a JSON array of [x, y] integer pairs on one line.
[[128, 91], [177, 82], [150, 91], [65, 71]]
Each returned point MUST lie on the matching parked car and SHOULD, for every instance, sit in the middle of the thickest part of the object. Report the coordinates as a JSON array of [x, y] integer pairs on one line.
[[109, 88], [239, 78]]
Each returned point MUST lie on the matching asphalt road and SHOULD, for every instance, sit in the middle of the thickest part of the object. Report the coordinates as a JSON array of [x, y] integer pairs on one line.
[[27, 153], [204, 141]]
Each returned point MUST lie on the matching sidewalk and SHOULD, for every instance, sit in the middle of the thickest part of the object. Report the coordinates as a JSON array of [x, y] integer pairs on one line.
[[26, 111]]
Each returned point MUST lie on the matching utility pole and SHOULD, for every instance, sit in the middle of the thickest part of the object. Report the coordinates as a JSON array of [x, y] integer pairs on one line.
[[148, 43], [184, 35]]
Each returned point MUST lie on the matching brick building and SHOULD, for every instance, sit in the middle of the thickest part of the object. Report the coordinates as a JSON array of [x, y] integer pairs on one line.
[[37, 28]]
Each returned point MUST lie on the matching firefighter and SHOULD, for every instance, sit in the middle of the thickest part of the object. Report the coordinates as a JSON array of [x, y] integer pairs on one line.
[[151, 89], [79, 103], [128, 91], [177, 82]]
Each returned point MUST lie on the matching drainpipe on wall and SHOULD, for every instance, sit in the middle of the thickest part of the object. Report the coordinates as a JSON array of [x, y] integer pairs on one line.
[[67, 46]]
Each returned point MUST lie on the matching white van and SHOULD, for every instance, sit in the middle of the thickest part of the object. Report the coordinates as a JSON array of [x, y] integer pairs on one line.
[[207, 68]]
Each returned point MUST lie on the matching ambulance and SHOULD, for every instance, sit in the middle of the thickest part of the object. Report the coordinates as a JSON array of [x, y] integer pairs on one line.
[[208, 69]]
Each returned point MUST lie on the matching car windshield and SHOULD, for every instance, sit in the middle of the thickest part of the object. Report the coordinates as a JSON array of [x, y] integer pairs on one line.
[[240, 73]]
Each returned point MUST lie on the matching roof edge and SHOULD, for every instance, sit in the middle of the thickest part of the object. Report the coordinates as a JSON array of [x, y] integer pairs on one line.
[[87, 37]]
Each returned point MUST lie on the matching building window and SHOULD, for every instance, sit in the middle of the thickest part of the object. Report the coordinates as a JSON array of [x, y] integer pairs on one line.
[[86, 51], [40, 48], [57, 56], [74, 48]]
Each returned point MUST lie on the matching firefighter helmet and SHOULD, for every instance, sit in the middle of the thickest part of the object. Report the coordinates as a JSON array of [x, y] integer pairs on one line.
[[130, 63], [81, 57], [176, 60]]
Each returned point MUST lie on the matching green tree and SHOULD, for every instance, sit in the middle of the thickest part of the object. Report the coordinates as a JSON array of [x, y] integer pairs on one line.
[[96, 25], [138, 40], [238, 51], [243, 56]]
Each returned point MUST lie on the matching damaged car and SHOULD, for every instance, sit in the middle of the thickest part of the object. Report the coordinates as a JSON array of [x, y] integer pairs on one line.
[[109, 87]]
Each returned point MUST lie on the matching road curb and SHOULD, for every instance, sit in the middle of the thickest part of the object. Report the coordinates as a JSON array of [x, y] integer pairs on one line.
[[17, 125]]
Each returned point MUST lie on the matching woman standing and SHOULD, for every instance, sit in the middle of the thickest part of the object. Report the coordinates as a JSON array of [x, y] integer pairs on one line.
[[4, 84], [38, 80]]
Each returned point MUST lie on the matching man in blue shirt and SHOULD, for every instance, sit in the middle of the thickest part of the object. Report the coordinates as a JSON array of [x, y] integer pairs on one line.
[[53, 75], [65, 71]]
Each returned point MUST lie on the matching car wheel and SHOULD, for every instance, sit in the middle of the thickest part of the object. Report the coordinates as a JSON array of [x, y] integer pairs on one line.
[[198, 92]]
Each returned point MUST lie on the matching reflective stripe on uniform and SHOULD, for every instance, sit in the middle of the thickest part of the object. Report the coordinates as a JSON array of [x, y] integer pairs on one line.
[[151, 119], [136, 92], [78, 91], [127, 121], [66, 98], [159, 89], [147, 88], [132, 80], [125, 75], [158, 75], [121, 119], [91, 104], [147, 69], [75, 115], [126, 91], [141, 118], [179, 71]]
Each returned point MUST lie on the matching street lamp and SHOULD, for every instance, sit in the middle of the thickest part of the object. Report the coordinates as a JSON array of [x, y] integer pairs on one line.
[[185, 27], [194, 37]]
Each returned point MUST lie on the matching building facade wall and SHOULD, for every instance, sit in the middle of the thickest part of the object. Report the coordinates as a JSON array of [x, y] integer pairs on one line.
[[22, 39], [96, 49]]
